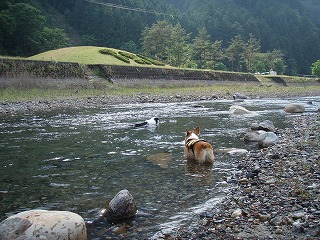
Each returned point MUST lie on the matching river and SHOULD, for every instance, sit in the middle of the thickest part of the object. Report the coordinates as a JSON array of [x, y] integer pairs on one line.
[[79, 160]]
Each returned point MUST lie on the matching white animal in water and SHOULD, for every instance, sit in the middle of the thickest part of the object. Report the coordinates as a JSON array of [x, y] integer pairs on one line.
[[154, 121]]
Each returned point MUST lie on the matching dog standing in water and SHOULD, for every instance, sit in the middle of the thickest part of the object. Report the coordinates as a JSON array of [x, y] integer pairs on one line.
[[196, 149]]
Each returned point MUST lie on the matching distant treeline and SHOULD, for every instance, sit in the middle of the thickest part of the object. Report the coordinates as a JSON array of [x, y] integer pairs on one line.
[[291, 27]]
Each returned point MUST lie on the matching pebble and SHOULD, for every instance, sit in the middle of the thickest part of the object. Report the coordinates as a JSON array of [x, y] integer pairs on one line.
[[237, 213]]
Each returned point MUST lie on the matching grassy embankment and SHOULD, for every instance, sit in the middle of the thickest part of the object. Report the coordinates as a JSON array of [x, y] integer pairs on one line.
[[24, 86]]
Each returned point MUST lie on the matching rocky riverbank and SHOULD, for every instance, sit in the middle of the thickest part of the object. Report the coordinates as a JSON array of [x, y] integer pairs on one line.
[[274, 193], [29, 107]]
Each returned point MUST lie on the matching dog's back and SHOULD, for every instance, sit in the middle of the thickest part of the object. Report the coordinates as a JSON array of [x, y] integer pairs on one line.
[[196, 149]]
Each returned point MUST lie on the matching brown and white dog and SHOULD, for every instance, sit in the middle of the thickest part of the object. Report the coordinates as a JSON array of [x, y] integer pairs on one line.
[[196, 149]]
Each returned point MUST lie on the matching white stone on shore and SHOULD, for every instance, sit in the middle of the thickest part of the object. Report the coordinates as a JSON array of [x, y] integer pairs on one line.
[[42, 224], [237, 213]]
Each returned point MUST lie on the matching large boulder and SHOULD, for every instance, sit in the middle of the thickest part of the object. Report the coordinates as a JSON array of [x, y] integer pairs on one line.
[[121, 208], [255, 136], [42, 224], [236, 109], [268, 139], [294, 108]]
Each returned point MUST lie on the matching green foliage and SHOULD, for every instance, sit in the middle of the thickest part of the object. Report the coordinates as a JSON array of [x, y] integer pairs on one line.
[[316, 68], [29, 27], [24, 31], [142, 61], [166, 42], [122, 58], [107, 52], [152, 61], [127, 54], [201, 46], [119, 56]]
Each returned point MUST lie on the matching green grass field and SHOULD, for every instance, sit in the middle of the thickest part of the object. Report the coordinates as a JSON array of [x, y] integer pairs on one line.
[[83, 55]]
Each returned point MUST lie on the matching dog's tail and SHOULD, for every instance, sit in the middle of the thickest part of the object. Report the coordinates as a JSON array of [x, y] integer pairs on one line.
[[209, 156], [206, 156]]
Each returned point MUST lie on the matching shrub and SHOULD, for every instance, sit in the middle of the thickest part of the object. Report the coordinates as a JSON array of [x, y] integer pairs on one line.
[[127, 55], [154, 62], [108, 52], [114, 54], [142, 61], [122, 58]]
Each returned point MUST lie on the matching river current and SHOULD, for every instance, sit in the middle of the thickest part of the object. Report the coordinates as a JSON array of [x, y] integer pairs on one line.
[[79, 160]]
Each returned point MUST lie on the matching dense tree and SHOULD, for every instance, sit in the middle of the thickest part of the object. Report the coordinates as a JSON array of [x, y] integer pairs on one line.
[[156, 39], [178, 49], [234, 52], [264, 62], [23, 31], [215, 56], [316, 68], [201, 47], [250, 49], [290, 26]]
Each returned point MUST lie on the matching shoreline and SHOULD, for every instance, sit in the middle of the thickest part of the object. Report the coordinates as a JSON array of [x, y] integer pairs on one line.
[[282, 201], [77, 103]]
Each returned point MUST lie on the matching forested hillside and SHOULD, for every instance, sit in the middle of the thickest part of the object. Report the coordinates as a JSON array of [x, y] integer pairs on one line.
[[238, 35]]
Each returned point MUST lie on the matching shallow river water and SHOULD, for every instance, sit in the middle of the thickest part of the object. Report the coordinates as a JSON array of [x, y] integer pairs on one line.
[[79, 160]]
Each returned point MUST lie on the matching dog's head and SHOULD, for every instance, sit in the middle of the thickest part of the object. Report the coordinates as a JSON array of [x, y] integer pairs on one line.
[[192, 134]]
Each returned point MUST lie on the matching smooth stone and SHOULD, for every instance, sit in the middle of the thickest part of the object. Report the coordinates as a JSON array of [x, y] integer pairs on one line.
[[269, 139], [238, 110], [121, 208], [237, 213], [42, 224], [294, 108]]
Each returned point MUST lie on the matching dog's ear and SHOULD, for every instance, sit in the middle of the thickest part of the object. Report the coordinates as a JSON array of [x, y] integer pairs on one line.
[[197, 130], [187, 132]]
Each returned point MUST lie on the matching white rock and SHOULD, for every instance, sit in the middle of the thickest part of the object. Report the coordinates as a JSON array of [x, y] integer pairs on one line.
[[236, 109], [237, 151], [42, 224], [237, 213]]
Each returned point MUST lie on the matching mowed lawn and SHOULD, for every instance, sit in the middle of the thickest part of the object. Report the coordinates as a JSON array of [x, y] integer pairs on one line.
[[82, 55]]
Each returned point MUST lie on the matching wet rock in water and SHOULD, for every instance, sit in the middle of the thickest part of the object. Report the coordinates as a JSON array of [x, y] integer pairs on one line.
[[239, 96], [238, 110], [266, 125], [269, 139], [197, 106], [121, 208], [294, 108], [233, 151], [42, 224], [254, 136]]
